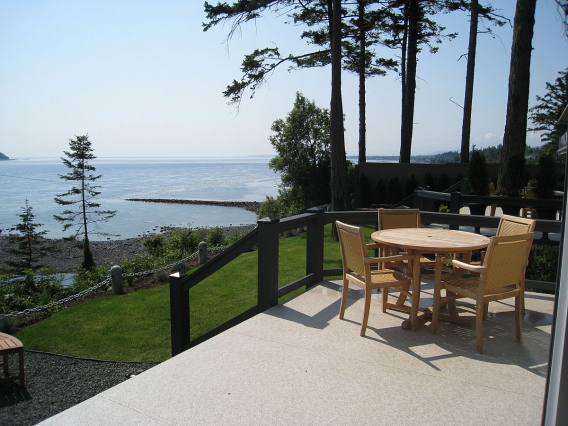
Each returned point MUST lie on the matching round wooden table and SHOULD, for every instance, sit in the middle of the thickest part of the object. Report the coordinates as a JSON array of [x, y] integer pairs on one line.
[[432, 241]]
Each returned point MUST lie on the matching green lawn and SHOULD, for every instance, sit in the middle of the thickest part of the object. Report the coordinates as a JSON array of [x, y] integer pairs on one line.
[[136, 326]]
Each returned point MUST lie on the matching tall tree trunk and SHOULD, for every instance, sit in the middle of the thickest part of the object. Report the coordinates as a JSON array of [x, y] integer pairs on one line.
[[414, 12], [362, 88], [468, 99], [339, 182], [515, 137], [403, 73]]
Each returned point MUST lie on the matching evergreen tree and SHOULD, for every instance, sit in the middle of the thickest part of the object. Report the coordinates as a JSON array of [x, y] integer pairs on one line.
[[30, 246], [544, 115], [81, 197]]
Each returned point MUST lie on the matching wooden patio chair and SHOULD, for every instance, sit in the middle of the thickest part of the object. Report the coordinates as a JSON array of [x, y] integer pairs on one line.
[[500, 277], [403, 218], [357, 270], [513, 225]]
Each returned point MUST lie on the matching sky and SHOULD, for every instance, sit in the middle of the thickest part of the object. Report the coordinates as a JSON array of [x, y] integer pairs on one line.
[[143, 79]]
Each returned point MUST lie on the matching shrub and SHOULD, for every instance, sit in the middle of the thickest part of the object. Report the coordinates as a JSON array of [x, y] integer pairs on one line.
[[429, 181], [8, 325], [444, 182], [215, 237], [477, 173], [411, 185], [381, 192], [85, 279], [154, 244], [393, 192], [181, 243], [543, 263], [546, 177]]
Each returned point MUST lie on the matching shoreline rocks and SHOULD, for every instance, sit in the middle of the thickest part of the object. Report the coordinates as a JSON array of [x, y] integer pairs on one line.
[[251, 206], [66, 255]]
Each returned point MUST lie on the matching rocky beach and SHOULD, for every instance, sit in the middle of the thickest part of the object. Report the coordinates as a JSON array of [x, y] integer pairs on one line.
[[66, 255]]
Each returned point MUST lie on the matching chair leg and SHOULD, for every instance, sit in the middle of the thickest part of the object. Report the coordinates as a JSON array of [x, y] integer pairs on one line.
[[485, 311], [479, 325], [344, 293], [518, 317], [523, 296], [385, 291], [366, 311]]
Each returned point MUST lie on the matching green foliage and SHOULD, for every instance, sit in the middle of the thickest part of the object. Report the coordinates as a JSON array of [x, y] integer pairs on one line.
[[477, 173], [30, 246], [515, 177], [442, 208], [139, 263], [363, 197], [545, 114], [301, 141], [393, 191], [215, 237], [445, 157], [85, 278], [381, 195], [444, 182], [543, 263], [32, 289], [154, 244], [429, 181], [81, 198], [181, 243], [546, 177], [411, 185], [272, 208], [232, 238], [8, 325]]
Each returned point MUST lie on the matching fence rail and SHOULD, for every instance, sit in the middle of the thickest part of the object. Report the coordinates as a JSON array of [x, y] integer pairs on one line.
[[265, 238]]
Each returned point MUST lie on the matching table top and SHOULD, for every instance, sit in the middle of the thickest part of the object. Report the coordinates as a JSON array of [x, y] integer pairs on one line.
[[431, 240]]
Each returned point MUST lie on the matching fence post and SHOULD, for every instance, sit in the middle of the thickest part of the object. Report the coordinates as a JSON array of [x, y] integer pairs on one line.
[[202, 252], [268, 246], [314, 247], [455, 206], [116, 279], [179, 312]]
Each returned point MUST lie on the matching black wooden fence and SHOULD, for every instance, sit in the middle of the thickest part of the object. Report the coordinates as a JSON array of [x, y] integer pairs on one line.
[[266, 239]]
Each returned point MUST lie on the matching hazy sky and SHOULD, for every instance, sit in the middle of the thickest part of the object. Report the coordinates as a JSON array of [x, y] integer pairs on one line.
[[143, 80]]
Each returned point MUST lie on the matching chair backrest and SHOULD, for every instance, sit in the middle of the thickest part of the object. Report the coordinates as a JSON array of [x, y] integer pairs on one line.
[[513, 225], [399, 218], [353, 248], [506, 261]]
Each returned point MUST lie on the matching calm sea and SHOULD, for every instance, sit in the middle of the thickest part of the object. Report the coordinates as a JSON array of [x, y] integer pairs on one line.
[[231, 179]]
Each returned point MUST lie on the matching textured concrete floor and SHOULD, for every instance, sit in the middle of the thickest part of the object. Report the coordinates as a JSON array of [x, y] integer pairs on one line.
[[297, 363]]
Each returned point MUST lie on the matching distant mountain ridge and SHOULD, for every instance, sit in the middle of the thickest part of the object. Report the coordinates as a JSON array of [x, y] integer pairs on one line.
[[3, 157]]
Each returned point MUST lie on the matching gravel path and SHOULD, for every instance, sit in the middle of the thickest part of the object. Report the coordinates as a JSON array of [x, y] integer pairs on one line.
[[55, 383]]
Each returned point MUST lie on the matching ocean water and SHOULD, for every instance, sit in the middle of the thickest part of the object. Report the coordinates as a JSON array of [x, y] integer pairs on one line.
[[228, 179]]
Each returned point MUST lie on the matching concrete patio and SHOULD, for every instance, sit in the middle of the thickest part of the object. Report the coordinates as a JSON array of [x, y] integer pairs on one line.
[[297, 363]]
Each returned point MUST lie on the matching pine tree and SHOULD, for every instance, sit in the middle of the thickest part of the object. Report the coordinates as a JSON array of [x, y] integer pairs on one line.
[[30, 246], [82, 196]]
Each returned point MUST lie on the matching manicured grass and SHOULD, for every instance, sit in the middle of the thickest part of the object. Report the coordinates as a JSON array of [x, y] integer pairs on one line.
[[136, 326]]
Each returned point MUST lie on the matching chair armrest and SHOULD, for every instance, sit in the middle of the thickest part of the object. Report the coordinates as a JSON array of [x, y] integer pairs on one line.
[[473, 268], [373, 246]]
